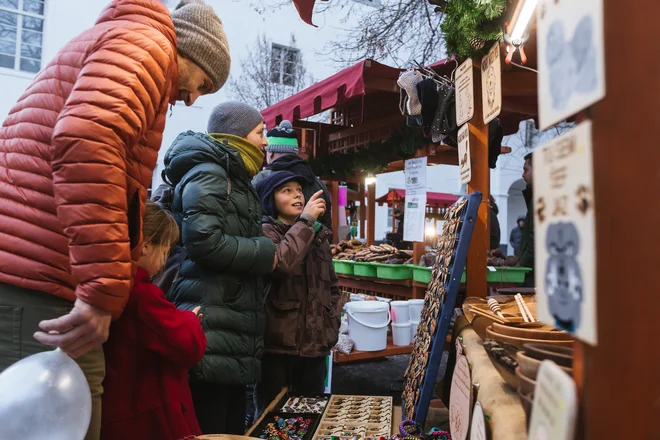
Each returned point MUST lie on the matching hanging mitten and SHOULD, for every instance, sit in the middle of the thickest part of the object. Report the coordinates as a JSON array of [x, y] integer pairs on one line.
[[408, 82]]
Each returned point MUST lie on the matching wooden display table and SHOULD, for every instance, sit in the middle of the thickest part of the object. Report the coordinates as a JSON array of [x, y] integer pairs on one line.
[[357, 355]]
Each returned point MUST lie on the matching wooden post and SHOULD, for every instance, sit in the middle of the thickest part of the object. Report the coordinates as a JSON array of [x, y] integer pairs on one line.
[[335, 211], [621, 373], [363, 209], [476, 263], [371, 214]]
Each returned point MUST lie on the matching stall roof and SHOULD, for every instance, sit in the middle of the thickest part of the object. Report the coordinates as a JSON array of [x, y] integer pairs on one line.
[[432, 198], [350, 82]]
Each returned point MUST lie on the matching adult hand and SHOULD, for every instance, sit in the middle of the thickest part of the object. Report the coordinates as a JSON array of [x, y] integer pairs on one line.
[[85, 327], [316, 205]]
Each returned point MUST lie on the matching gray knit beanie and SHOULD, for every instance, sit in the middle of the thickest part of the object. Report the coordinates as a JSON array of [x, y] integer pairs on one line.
[[234, 118], [201, 38]]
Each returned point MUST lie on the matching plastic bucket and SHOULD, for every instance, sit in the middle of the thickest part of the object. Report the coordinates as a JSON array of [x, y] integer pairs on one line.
[[400, 311], [367, 324], [416, 306], [401, 333], [413, 330]]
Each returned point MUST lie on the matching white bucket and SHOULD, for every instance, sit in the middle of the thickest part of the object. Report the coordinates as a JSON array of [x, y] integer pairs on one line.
[[416, 306], [401, 333], [367, 324], [413, 330], [400, 312]]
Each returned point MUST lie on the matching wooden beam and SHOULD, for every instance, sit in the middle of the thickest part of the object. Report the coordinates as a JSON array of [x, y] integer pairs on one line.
[[383, 84], [621, 373], [476, 264], [346, 132], [363, 209], [371, 214], [518, 83], [523, 108]]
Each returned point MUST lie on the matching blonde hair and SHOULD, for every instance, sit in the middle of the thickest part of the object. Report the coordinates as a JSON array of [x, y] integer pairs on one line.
[[158, 226]]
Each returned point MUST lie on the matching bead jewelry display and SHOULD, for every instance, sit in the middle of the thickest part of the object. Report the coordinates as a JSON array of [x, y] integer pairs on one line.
[[435, 296], [286, 429]]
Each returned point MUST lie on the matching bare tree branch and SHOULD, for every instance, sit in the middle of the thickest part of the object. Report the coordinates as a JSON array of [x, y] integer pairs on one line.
[[256, 85], [397, 32]]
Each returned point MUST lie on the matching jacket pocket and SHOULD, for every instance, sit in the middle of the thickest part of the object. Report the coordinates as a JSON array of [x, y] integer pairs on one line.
[[325, 261], [282, 323], [10, 335], [134, 219], [331, 324]]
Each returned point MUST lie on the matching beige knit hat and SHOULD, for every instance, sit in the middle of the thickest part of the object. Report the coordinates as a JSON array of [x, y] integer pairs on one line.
[[201, 38]]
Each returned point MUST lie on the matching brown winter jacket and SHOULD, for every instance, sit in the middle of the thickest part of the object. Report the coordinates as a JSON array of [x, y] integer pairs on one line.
[[301, 308], [76, 156]]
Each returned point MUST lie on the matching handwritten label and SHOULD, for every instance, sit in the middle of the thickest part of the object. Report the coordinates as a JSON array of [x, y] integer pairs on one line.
[[491, 83], [464, 161], [478, 429], [464, 92], [564, 233], [554, 413], [460, 399]]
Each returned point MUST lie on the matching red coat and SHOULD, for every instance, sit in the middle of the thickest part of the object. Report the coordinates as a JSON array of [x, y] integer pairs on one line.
[[77, 153], [150, 349]]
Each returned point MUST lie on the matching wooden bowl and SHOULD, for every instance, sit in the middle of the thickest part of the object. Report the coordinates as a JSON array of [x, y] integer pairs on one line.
[[560, 355], [525, 384], [527, 401], [503, 361], [530, 366], [532, 333], [519, 342]]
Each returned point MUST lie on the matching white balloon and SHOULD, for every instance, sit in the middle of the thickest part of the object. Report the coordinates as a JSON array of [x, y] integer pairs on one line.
[[44, 396]]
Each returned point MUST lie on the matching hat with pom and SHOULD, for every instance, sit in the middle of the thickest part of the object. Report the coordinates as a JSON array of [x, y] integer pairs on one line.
[[282, 139]]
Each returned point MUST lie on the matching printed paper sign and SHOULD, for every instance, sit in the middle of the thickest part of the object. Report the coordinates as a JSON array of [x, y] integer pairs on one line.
[[464, 162], [571, 59], [554, 413], [491, 83], [415, 172], [415, 213], [464, 92], [564, 234], [460, 400]]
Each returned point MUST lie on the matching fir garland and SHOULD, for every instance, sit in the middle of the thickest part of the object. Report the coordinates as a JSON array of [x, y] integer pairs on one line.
[[469, 25], [372, 159]]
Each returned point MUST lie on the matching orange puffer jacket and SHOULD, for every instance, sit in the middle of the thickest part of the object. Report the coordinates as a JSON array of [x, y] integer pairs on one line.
[[76, 156]]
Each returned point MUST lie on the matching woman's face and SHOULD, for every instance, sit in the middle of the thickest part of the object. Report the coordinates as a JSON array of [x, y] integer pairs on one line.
[[289, 201], [257, 136]]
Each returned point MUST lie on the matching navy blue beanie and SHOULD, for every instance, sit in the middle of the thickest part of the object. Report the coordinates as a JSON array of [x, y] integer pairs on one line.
[[266, 189]]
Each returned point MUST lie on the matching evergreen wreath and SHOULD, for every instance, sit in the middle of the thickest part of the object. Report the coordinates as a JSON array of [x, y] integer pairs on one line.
[[470, 25], [372, 159]]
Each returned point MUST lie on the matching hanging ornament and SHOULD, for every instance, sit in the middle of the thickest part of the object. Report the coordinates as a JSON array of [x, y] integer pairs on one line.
[[477, 43]]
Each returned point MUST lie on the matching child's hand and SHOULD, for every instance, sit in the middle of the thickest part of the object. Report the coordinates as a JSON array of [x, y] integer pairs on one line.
[[196, 312], [316, 205]]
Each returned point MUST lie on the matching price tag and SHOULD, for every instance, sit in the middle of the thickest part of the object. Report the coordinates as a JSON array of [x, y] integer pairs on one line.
[[492, 269]]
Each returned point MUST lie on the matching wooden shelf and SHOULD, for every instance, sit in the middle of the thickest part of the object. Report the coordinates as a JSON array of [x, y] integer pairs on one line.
[[356, 355], [400, 288]]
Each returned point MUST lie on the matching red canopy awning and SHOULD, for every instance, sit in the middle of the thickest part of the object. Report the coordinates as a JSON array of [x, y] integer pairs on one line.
[[328, 93], [305, 10], [432, 198]]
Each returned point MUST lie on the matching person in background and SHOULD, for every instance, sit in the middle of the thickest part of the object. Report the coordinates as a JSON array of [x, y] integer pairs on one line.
[[515, 238], [495, 234], [282, 154], [77, 153], [302, 320], [527, 239], [219, 213], [150, 349]]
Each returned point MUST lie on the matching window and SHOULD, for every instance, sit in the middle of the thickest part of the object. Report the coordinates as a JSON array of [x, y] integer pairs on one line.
[[21, 34], [389, 218], [284, 65]]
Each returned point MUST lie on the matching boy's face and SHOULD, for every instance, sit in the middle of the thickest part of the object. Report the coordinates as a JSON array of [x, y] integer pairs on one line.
[[289, 200]]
